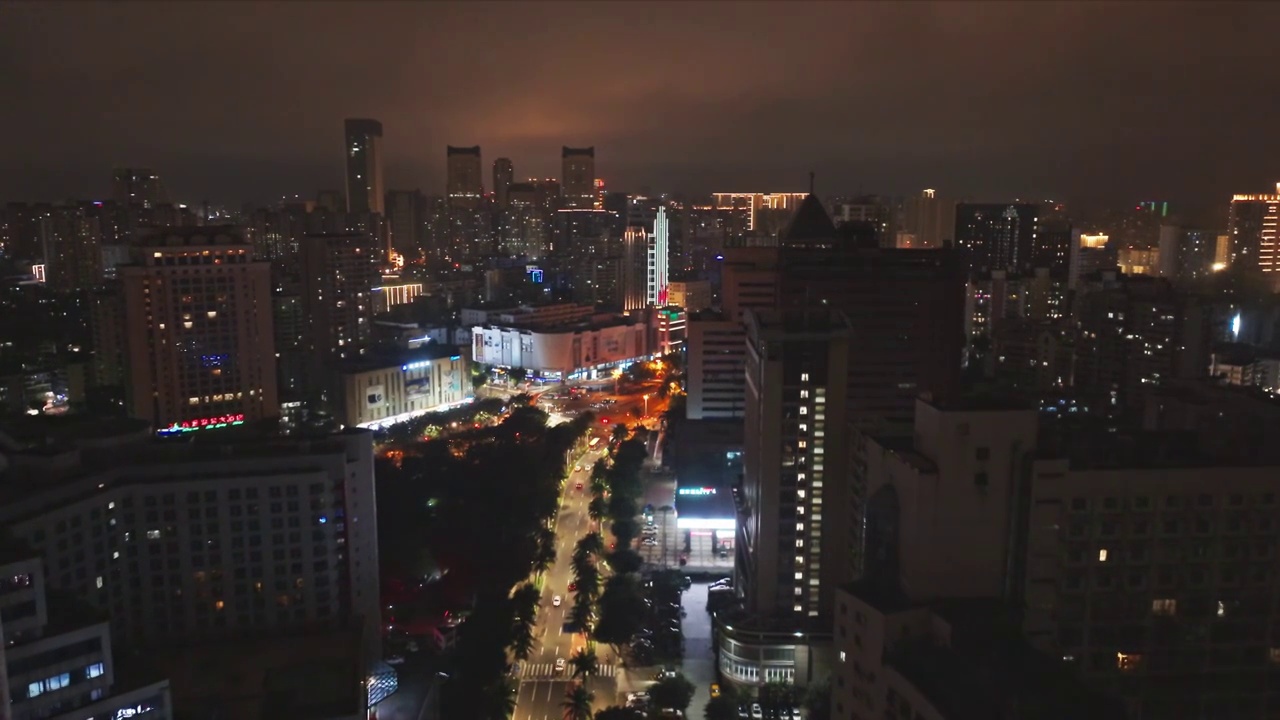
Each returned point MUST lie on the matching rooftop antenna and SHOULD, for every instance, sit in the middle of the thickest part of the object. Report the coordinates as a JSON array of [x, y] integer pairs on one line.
[[810, 182]]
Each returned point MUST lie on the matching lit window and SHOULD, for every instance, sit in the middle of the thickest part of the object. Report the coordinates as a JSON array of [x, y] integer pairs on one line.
[[219, 605], [804, 410], [798, 608], [187, 324], [153, 534], [1127, 662], [34, 689], [804, 393], [804, 377], [98, 582], [111, 505], [1164, 606], [843, 656], [1222, 609], [1102, 555], [800, 543], [800, 528], [800, 493], [1274, 655], [93, 671], [115, 555]]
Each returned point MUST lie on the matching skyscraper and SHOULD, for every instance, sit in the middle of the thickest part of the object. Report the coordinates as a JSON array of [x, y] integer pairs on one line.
[[998, 236], [578, 177], [363, 149], [138, 186], [463, 182], [1255, 242], [198, 337], [339, 272], [659, 260], [406, 218], [906, 308], [503, 172], [793, 463]]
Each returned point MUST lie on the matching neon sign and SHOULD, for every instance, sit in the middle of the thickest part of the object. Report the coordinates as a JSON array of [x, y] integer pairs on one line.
[[209, 423], [697, 492], [135, 711]]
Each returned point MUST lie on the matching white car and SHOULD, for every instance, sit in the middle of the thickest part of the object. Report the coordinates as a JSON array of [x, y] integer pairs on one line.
[[555, 601], [756, 711], [559, 665]]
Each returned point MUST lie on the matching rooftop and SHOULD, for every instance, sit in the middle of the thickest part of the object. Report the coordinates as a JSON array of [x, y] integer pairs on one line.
[[810, 222], [423, 353], [990, 671]]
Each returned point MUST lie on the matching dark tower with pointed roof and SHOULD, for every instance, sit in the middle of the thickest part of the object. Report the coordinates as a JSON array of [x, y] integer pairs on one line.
[[906, 308]]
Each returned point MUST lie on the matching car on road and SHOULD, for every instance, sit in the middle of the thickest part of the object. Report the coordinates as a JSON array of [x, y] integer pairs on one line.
[[573, 587], [577, 485], [555, 601], [715, 690], [559, 665]]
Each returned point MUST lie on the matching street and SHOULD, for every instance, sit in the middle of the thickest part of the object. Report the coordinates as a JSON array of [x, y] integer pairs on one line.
[[542, 689]]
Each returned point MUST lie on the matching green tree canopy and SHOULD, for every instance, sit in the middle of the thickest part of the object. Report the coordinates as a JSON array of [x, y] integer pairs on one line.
[[577, 703], [672, 693]]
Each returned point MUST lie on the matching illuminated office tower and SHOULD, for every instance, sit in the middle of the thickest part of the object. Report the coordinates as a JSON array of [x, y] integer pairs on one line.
[[406, 218], [363, 148], [1252, 226], [197, 329], [503, 173], [793, 513], [464, 184], [578, 177], [659, 260]]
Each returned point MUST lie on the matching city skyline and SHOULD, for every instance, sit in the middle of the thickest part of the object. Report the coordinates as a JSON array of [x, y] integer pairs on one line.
[[873, 98]]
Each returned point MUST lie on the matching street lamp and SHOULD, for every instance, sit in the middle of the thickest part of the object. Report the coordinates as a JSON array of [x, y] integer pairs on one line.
[[646, 404]]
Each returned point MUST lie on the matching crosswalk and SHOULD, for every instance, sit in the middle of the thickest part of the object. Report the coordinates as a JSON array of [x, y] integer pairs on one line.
[[547, 671]]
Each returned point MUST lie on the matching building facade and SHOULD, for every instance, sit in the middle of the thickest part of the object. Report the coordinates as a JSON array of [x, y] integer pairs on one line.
[[464, 183], [578, 177], [380, 392], [583, 350], [363, 145], [191, 541], [198, 329]]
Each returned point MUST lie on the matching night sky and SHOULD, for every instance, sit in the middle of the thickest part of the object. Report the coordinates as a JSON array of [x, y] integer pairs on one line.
[[235, 100]]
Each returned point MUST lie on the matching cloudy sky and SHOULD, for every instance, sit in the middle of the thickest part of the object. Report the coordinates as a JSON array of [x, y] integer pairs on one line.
[[242, 100]]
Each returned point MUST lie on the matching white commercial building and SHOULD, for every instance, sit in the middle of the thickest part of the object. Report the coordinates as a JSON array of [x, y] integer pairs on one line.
[[581, 351], [376, 393]]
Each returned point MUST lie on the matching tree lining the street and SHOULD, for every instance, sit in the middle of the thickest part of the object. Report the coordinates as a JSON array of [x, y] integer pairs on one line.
[[672, 693], [483, 507]]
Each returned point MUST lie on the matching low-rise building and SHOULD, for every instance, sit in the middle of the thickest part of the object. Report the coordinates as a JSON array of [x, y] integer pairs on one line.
[[580, 350], [56, 654], [379, 391], [692, 295]]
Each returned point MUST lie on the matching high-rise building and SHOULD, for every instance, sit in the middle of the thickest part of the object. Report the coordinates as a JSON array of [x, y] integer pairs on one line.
[[1185, 254], [138, 186], [503, 174], [464, 183], [906, 308], [578, 177], [56, 653], [659, 278], [72, 248], [791, 503], [926, 221], [998, 236], [338, 276], [1254, 227], [363, 150], [193, 541], [406, 219], [635, 258], [197, 330]]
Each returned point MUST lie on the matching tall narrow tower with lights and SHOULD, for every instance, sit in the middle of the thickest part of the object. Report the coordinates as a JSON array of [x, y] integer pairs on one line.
[[659, 260]]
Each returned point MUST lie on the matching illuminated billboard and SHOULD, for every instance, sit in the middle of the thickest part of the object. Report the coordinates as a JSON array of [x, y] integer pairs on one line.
[[208, 423]]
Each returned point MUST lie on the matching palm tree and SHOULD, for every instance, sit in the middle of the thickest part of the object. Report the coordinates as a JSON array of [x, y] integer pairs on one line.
[[592, 543], [525, 600], [499, 699], [598, 508], [577, 703], [599, 486], [620, 433], [584, 663], [522, 640], [581, 615]]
